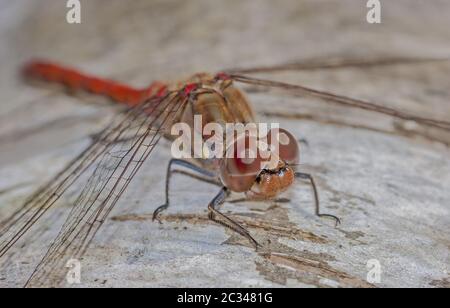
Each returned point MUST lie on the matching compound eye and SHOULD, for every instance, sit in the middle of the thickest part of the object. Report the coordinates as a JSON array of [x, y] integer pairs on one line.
[[241, 165], [285, 145]]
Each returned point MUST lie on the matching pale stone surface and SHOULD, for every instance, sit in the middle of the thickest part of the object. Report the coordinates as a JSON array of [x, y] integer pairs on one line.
[[390, 187]]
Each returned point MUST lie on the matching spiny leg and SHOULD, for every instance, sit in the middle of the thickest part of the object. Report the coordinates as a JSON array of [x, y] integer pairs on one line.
[[224, 220], [209, 178], [309, 177]]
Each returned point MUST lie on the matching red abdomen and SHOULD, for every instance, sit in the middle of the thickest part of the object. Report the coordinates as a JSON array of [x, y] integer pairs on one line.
[[77, 81]]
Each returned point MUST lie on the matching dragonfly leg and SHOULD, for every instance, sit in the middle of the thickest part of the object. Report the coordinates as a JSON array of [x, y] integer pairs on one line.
[[220, 218], [310, 178], [206, 176]]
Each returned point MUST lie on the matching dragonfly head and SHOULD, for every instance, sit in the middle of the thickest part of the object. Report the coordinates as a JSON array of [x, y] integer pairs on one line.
[[263, 173]]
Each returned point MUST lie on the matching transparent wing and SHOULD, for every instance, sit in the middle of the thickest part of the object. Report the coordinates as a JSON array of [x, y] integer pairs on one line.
[[98, 177], [341, 100], [334, 63]]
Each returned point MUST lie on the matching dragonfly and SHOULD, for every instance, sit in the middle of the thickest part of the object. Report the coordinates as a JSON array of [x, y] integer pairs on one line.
[[101, 173]]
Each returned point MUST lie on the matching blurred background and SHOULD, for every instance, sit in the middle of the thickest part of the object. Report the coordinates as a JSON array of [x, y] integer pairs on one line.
[[163, 39]]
